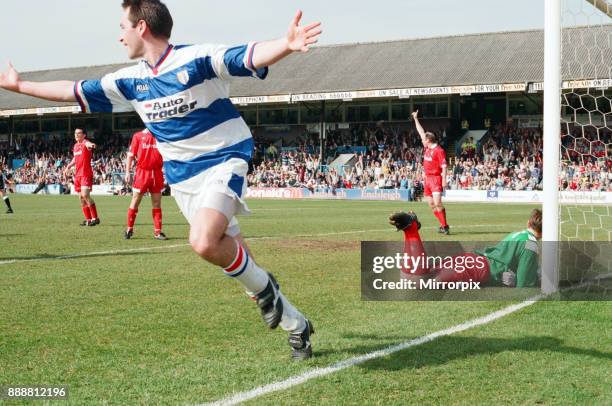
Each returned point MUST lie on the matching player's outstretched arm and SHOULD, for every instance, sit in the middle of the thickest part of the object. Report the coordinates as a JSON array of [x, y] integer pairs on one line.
[[298, 39], [419, 127], [55, 91]]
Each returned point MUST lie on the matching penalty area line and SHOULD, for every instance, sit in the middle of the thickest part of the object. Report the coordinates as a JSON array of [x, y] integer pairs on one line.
[[350, 362]]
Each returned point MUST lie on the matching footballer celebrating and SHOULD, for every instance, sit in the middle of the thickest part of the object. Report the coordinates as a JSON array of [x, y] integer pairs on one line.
[[434, 165], [83, 177], [182, 95], [148, 178]]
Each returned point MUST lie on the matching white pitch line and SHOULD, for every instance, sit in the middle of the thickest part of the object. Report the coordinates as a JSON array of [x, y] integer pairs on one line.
[[142, 249], [89, 254], [388, 229], [339, 366], [273, 237]]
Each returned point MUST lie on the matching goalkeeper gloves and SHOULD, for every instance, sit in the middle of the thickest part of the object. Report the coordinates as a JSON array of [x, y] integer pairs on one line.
[[509, 279], [402, 220]]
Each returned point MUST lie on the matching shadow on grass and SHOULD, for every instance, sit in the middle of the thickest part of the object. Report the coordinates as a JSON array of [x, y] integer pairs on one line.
[[150, 225], [466, 232], [109, 223], [149, 237], [29, 258], [446, 349]]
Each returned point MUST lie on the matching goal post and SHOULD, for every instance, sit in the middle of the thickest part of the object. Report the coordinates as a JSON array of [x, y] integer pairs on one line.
[[552, 145], [577, 150]]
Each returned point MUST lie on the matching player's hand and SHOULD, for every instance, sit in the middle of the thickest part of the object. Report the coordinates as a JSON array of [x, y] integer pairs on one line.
[[128, 178], [9, 79], [402, 220], [90, 145], [300, 37], [415, 114], [509, 279]]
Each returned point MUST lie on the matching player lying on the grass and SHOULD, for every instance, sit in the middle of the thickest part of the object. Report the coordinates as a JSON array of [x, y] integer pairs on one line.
[[181, 93], [512, 262], [6, 179], [149, 177], [83, 177]]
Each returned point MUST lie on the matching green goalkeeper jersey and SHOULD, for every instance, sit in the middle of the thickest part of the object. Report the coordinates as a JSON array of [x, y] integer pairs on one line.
[[518, 253]]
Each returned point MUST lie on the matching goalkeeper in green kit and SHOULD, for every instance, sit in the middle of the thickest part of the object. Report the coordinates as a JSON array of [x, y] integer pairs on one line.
[[513, 262]]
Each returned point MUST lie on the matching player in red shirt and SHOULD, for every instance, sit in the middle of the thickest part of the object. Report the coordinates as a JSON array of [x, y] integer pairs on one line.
[[83, 177], [149, 178], [434, 164]]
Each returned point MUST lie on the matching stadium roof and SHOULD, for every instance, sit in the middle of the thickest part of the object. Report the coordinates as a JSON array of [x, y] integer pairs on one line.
[[477, 59]]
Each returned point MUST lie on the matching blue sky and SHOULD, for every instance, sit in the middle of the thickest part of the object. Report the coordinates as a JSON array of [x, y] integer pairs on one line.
[[67, 33]]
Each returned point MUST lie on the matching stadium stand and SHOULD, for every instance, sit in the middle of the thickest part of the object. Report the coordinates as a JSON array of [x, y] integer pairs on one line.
[[293, 151]]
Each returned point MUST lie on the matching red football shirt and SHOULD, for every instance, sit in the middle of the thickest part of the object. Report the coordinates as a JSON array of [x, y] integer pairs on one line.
[[82, 160], [144, 148], [434, 159]]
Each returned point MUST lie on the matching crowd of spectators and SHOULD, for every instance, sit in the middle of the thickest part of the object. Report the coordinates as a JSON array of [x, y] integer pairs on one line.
[[45, 159], [507, 158], [385, 157]]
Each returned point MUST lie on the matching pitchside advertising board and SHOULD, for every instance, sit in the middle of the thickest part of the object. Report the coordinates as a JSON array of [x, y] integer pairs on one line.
[[99, 190], [475, 196], [29, 188], [327, 193], [23, 188], [535, 196]]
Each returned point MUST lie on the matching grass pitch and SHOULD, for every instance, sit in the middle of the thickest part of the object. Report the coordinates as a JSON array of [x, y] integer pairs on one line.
[[148, 322]]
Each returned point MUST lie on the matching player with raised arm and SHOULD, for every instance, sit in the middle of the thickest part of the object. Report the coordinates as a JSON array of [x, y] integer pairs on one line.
[[182, 95], [434, 165], [5, 179], [83, 177], [148, 178], [513, 262]]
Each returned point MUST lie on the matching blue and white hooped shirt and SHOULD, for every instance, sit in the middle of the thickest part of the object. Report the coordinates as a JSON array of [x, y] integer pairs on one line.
[[184, 101]]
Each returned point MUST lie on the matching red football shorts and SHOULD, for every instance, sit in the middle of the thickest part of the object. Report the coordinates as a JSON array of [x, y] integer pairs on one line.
[[467, 266], [148, 180], [433, 184], [82, 181]]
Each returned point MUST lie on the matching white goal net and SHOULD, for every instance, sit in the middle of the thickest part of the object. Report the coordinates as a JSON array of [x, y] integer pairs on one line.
[[585, 164]]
